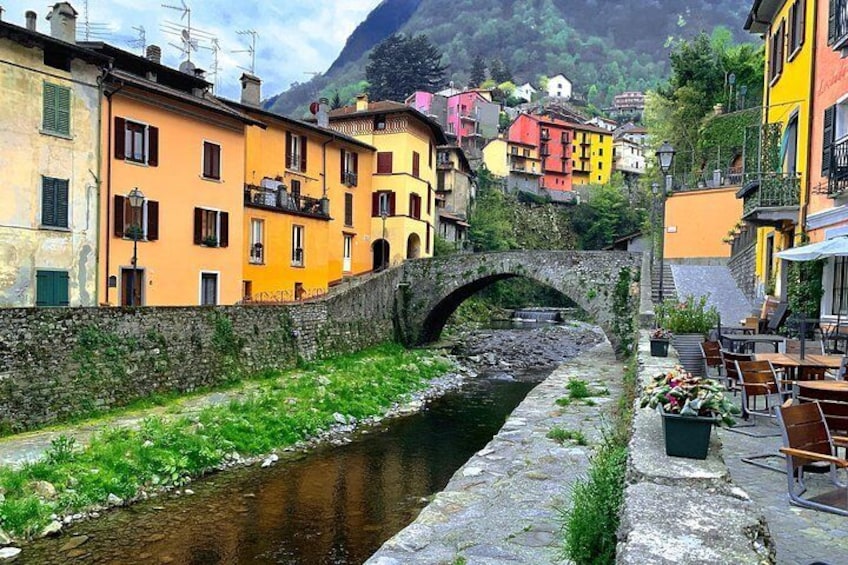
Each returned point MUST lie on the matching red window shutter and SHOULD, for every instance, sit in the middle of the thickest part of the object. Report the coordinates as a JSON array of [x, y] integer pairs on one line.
[[392, 204], [288, 150], [356, 164], [827, 142], [152, 220], [198, 226], [342, 170], [224, 240], [303, 153], [120, 138], [384, 162], [375, 205], [412, 206], [416, 164], [119, 216], [153, 146]]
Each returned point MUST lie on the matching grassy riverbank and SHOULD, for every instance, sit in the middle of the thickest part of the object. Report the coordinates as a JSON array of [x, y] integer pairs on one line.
[[167, 451]]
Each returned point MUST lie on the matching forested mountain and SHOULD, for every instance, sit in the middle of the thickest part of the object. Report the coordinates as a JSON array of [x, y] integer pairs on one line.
[[603, 46]]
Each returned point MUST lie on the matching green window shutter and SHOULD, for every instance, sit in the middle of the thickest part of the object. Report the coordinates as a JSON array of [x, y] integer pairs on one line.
[[63, 110], [60, 286], [61, 192], [44, 282], [49, 105], [48, 201]]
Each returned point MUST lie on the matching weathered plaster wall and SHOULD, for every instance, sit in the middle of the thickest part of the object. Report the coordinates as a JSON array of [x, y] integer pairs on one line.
[[27, 154]]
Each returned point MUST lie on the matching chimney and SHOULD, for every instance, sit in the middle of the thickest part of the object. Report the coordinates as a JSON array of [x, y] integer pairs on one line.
[[30, 20], [63, 22], [154, 54], [323, 114], [362, 103], [251, 90]]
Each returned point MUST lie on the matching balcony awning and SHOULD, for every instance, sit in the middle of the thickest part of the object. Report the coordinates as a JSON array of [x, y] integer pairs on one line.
[[836, 247]]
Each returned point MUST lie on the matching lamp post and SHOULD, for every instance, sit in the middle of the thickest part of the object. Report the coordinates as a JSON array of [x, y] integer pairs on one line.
[[384, 213], [136, 198], [665, 156]]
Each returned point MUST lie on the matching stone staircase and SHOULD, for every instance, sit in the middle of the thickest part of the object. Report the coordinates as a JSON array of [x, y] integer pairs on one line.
[[669, 290]]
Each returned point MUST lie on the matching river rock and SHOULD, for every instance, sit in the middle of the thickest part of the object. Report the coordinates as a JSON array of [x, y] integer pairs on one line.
[[5, 539], [339, 418], [51, 529], [114, 500], [270, 460], [44, 489], [9, 552], [74, 543]]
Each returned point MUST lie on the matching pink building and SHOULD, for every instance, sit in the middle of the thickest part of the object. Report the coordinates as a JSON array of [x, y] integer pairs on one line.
[[469, 119], [553, 139]]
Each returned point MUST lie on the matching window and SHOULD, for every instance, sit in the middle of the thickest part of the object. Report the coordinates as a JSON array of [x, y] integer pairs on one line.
[[600, 165], [295, 190], [776, 52], [297, 246], [56, 103], [208, 289], [600, 152], [347, 253], [384, 162], [136, 142], [526, 152], [416, 164], [427, 237], [51, 288], [349, 167], [415, 206], [211, 228], [211, 160], [797, 22], [837, 23], [380, 122], [144, 219], [348, 212], [383, 202], [296, 152], [839, 289], [246, 290], [257, 242], [54, 202]]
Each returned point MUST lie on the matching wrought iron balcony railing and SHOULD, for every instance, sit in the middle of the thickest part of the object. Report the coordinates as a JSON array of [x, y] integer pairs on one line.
[[839, 23], [350, 178], [282, 201], [770, 190], [837, 180]]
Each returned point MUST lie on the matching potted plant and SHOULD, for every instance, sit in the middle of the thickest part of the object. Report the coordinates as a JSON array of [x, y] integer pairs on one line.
[[689, 320], [689, 407], [210, 241], [660, 338]]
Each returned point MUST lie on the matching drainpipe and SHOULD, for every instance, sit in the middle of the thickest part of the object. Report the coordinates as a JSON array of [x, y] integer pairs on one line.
[[806, 206], [104, 72], [109, 136], [325, 202]]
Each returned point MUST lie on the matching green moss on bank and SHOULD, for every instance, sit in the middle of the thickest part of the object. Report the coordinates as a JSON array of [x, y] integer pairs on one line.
[[167, 452]]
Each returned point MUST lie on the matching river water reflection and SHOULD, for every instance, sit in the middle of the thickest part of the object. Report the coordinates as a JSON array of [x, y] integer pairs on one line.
[[334, 505]]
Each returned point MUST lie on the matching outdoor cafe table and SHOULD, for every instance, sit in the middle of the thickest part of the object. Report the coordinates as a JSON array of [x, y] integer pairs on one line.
[[792, 362], [825, 385], [738, 341]]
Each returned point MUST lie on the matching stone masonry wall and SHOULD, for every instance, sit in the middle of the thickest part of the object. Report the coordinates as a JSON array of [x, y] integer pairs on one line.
[[742, 267], [60, 362]]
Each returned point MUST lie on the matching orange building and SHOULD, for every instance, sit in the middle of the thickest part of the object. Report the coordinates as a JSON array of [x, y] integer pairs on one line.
[[307, 214], [696, 222], [167, 136]]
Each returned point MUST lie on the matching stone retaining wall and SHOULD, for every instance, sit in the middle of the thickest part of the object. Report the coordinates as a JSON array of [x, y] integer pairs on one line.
[[742, 267], [61, 362], [683, 510]]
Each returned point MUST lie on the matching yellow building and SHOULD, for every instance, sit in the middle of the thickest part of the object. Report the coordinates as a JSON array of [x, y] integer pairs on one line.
[[776, 196], [49, 152], [307, 220], [518, 164], [592, 155], [404, 176]]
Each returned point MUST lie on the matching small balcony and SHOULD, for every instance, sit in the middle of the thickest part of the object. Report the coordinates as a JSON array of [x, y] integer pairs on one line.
[[467, 116], [444, 165], [545, 135], [838, 34], [282, 201], [351, 178], [837, 179], [770, 199]]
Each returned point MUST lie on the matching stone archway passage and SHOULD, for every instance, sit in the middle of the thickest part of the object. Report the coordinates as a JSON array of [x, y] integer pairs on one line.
[[603, 283], [380, 252], [413, 246]]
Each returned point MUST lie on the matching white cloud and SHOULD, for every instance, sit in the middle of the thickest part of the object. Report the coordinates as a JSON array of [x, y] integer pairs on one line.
[[295, 37]]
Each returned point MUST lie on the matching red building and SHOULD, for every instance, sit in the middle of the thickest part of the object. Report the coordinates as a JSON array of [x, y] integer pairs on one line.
[[553, 139]]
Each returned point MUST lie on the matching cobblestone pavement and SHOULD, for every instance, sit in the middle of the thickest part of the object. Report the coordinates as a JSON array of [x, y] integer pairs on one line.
[[719, 284], [501, 506], [802, 536]]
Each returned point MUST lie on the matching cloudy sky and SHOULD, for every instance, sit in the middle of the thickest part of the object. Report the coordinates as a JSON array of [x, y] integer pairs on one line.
[[295, 37]]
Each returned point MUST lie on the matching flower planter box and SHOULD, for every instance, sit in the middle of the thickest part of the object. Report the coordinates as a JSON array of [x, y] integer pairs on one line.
[[659, 347], [687, 436], [689, 352]]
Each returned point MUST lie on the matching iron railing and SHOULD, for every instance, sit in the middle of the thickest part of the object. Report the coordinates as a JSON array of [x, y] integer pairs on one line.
[[840, 22], [837, 179], [718, 178], [772, 190], [282, 201], [350, 178]]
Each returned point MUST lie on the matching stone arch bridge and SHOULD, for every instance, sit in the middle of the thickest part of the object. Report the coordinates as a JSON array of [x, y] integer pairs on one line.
[[603, 283]]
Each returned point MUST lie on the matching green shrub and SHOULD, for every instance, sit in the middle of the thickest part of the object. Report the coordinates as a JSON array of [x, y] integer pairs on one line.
[[691, 316], [578, 389], [561, 435]]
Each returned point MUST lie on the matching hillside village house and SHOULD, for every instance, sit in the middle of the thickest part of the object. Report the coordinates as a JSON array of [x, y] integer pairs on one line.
[[525, 92], [403, 202], [517, 164], [559, 87], [592, 156], [469, 118], [49, 158], [455, 192], [553, 139]]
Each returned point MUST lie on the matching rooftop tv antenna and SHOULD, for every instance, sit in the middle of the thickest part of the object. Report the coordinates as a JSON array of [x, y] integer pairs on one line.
[[93, 30], [250, 48], [187, 35], [215, 47], [139, 42]]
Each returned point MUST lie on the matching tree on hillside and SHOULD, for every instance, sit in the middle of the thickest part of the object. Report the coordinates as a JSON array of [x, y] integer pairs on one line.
[[400, 65], [478, 71], [605, 215], [336, 102], [499, 71], [491, 226]]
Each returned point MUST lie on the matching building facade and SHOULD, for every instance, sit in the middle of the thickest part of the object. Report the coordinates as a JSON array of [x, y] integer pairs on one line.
[[592, 156], [455, 194], [49, 155], [560, 87], [553, 140]]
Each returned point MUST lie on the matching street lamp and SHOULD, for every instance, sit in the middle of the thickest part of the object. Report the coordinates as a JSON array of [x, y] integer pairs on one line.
[[136, 198]]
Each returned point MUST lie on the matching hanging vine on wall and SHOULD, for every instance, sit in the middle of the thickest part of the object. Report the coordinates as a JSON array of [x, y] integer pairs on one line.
[[804, 287]]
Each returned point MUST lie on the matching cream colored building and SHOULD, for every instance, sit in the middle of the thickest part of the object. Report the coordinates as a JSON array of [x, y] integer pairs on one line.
[[49, 156]]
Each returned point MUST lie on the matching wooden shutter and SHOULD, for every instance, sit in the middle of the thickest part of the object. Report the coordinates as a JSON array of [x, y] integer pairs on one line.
[[152, 220], [48, 201], [303, 153], [384, 162], [427, 239], [120, 138], [153, 146], [60, 288], [827, 142], [429, 199], [375, 205], [288, 150], [48, 121], [802, 22], [831, 22], [356, 169], [61, 191], [342, 169], [411, 205], [348, 209], [416, 164], [119, 208], [43, 288], [391, 204], [224, 239], [198, 226], [63, 110]]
